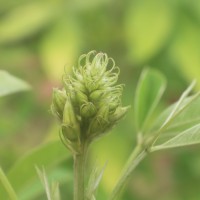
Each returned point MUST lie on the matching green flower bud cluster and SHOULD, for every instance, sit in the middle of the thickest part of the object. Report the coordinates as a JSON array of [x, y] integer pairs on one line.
[[90, 103]]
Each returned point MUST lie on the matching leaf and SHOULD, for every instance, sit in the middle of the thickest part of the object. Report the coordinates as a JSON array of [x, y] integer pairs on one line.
[[181, 112], [10, 84], [60, 47], [43, 178], [94, 180], [187, 137], [23, 173], [189, 116], [185, 50], [180, 105], [177, 119], [55, 175], [6, 184], [149, 91], [53, 192], [148, 27], [15, 26]]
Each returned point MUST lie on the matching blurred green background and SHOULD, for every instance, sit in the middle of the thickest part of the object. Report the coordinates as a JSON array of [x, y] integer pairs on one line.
[[38, 38]]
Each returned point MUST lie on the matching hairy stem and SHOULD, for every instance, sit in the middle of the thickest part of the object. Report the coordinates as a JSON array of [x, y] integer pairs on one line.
[[79, 173], [135, 158]]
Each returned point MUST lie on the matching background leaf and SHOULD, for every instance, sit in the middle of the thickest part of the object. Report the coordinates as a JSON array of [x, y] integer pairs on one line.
[[7, 186], [51, 192], [148, 93], [43, 177], [60, 48], [148, 27], [94, 181], [23, 174], [10, 84], [185, 50], [55, 175], [15, 27]]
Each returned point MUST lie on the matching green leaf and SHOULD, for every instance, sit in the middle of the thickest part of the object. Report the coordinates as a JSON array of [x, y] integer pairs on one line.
[[15, 26], [60, 47], [187, 137], [186, 115], [53, 191], [185, 50], [10, 84], [58, 174], [178, 107], [190, 116], [44, 180], [149, 90], [94, 180], [148, 27], [6, 184], [23, 173], [179, 118]]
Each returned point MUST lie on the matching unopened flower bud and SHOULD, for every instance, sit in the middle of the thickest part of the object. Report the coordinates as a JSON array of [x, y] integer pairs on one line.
[[119, 113], [99, 65], [91, 86], [70, 133], [59, 99], [113, 106], [104, 111], [96, 95], [100, 123], [114, 103], [72, 144], [69, 117], [97, 126], [78, 75], [81, 98], [88, 110], [73, 98], [79, 87]]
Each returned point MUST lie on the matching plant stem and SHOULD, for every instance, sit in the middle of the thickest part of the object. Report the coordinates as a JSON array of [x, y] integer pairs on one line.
[[135, 158], [79, 173]]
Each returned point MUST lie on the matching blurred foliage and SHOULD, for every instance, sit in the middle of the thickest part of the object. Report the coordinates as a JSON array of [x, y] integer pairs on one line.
[[39, 38], [10, 84]]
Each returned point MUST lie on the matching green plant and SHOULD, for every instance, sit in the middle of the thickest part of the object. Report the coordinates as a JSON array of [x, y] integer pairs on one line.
[[89, 106]]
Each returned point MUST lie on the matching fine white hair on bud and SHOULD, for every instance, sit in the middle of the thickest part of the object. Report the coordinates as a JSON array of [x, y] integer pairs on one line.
[[90, 102]]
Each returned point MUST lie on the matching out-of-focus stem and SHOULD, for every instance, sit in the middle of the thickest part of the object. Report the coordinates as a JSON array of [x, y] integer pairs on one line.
[[135, 158]]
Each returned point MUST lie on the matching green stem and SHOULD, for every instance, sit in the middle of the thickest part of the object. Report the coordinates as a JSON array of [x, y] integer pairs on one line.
[[136, 157], [79, 173]]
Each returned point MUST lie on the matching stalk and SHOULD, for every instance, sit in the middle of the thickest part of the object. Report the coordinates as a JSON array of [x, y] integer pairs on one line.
[[79, 173], [135, 158]]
